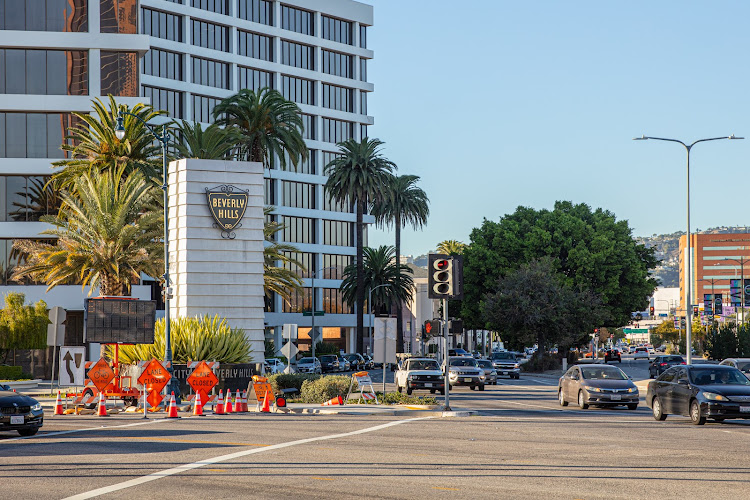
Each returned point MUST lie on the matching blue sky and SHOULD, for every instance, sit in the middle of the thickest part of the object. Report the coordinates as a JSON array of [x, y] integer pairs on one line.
[[497, 104]]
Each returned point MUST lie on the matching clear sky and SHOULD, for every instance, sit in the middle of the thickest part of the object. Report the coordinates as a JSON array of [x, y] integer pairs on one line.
[[499, 103]]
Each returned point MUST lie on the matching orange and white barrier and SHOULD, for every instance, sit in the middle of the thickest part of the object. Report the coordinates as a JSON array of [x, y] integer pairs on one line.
[[172, 413], [198, 406], [58, 405], [228, 403], [102, 411]]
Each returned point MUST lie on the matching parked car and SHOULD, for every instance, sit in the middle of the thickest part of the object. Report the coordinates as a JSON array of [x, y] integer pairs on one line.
[[19, 413], [640, 352], [742, 364], [344, 364], [661, 363], [309, 365], [420, 373], [274, 366], [612, 355], [700, 392], [459, 352], [369, 362], [329, 363], [490, 374], [356, 361], [597, 385], [505, 363], [463, 370]]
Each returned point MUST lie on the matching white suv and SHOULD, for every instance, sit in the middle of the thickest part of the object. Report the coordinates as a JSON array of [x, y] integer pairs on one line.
[[640, 352]]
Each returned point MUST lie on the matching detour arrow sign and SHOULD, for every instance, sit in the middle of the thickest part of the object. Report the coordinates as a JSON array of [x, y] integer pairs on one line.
[[153, 379], [202, 380], [101, 374]]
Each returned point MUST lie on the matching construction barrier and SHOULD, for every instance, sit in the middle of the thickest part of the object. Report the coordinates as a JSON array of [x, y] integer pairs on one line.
[[263, 389], [364, 385]]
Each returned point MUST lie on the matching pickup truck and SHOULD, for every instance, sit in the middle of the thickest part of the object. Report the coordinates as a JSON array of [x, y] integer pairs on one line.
[[420, 373]]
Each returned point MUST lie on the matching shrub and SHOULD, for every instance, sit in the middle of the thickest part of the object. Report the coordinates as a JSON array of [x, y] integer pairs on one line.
[[324, 388], [542, 363], [282, 381], [10, 372], [399, 398]]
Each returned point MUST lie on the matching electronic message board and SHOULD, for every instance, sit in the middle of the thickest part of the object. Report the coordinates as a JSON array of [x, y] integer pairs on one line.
[[119, 321]]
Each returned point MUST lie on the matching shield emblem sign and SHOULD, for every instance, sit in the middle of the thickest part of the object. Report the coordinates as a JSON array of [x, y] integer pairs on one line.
[[227, 205]]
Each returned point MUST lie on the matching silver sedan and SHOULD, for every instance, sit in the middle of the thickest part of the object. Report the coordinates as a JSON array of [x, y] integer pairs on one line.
[[597, 385]]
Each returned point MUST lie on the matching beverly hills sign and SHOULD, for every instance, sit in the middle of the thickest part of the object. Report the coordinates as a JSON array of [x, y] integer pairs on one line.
[[227, 204]]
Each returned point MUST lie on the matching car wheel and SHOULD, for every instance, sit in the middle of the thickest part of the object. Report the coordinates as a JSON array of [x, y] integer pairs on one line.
[[657, 410], [442, 392], [398, 388], [472, 387], [481, 387], [432, 391], [28, 432], [582, 401], [561, 398], [651, 374], [633, 406], [695, 413], [409, 390]]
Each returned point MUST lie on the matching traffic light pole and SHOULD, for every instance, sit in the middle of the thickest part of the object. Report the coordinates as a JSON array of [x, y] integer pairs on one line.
[[445, 357]]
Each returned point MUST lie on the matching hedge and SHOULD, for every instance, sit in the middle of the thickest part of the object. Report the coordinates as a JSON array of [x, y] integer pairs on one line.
[[324, 388]]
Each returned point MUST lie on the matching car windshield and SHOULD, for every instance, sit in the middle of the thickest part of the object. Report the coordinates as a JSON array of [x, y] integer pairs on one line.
[[423, 364], [463, 362], [709, 376], [328, 358], [603, 373], [4, 387], [676, 359], [485, 363], [306, 360], [503, 355]]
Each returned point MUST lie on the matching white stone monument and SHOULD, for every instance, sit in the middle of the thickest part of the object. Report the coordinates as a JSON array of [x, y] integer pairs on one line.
[[218, 270]]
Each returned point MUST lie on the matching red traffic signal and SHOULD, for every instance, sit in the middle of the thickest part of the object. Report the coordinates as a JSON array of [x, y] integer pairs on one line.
[[651, 311]]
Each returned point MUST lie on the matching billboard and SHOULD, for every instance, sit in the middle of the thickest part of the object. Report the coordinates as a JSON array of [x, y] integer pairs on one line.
[[119, 321]]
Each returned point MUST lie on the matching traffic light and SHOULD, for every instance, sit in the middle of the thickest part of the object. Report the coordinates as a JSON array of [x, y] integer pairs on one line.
[[456, 326], [695, 311], [651, 311], [444, 277], [431, 328]]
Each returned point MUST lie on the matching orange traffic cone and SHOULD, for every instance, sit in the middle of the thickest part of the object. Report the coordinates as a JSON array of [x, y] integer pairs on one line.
[[338, 400], [58, 405], [219, 410], [198, 406], [266, 408], [238, 402], [102, 412], [244, 401], [172, 413], [228, 402]]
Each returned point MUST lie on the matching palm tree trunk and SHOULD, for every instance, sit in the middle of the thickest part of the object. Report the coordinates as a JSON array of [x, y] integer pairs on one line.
[[399, 306], [360, 279]]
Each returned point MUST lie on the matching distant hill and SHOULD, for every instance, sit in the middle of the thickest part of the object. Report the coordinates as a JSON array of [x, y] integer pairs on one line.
[[667, 251]]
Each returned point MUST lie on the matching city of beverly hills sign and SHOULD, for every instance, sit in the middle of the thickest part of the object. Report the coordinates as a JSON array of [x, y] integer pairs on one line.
[[227, 205]]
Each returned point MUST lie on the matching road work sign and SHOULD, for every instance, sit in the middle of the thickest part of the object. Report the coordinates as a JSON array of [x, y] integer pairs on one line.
[[202, 380], [153, 379], [101, 374], [72, 364]]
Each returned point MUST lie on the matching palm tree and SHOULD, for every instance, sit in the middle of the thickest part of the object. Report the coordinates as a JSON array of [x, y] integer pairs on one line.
[[357, 176], [379, 268], [211, 143], [280, 279], [402, 204], [270, 126], [107, 234], [451, 247], [94, 146]]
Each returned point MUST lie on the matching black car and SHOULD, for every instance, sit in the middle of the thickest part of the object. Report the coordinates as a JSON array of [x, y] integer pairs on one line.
[[329, 363], [19, 413], [356, 361], [612, 355], [661, 363], [700, 392]]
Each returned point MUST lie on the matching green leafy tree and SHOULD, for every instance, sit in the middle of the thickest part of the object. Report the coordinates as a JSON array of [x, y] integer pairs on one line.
[[269, 125], [451, 247], [402, 204], [358, 175], [590, 250], [535, 304], [22, 326], [211, 143]]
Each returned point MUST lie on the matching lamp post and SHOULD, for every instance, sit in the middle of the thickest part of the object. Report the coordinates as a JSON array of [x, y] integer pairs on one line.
[[688, 308], [163, 139], [312, 292], [741, 261], [372, 329]]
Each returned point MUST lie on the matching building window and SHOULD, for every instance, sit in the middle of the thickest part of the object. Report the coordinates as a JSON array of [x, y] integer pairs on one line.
[[337, 130], [119, 73], [363, 131], [363, 36], [203, 107], [336, 63], [218, 6], [340, 98], [162, 25], [299, 90], [257, 11], [297, 55], [118, 16], [307, 260], [44, 72], [308, 122], [35, 135], [171, 101], [328, 157], [210, 35], [336, 232], [297, 194], [211, 73], [164, 64], [298, 229], [337, 264], [27, 198], [333, 301], [337, 30], [255, 45], [254, 79], [334, 206], [307, 166], [298, 20], [67, 16], [10, 258], [269, 195], [299, 302], [363, 69], [362, 102]]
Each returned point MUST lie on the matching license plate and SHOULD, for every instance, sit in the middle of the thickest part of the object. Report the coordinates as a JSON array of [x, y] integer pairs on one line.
[[467, 380], [428, 385], [16, 420], [616, 397], [503, 373], [743, 409]]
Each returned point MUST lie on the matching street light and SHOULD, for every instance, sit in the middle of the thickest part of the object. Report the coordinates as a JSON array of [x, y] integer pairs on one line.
[[688, 324], [173, 386], [312, 292]]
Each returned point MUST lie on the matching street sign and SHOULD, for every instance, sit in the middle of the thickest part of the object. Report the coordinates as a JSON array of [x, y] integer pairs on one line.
[[289, 331], [202, 380], [635, 330], [153, 379], [317, 313], [317, 337], [289, 350], [72, 361], [56, 330], [101, 374], [385, 327]]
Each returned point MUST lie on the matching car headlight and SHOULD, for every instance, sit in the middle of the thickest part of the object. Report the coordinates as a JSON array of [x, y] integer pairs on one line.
[[36, 407], [632, 389], [410, 377], [452, 373], [515, 366], [481, 376], [712, 396], [592, 389]]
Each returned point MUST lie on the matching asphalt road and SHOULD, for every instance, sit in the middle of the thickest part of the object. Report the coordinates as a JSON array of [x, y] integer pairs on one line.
[[521, 444]]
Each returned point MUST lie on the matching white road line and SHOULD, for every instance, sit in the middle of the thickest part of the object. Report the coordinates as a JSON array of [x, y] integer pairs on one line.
[[101, 427], [223, 458], [544, 382]]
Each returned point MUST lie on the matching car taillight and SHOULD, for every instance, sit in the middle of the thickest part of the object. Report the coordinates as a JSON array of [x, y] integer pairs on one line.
[[662, 364], [682, 363]]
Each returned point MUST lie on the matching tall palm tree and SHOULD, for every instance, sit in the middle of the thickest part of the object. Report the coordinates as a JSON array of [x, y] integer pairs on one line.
[[280, 279], [93, 145], [212, 143], [451, 247], [107, 234], [270, 126], [402, 203], [357, 176]]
